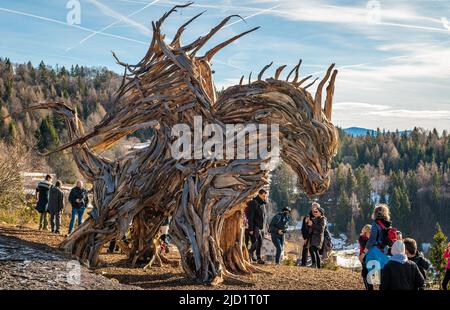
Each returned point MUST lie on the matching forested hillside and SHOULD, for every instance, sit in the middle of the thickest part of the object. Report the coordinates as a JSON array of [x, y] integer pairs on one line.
[[89, 90], [409, 171]]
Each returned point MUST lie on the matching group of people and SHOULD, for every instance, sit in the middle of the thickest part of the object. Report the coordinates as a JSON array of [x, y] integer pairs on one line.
[[50, 200], [316, 237], [401, 264], [382, 247]]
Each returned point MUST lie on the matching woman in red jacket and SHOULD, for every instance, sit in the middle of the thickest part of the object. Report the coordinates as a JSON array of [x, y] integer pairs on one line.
[[363, 238], [447, 268]]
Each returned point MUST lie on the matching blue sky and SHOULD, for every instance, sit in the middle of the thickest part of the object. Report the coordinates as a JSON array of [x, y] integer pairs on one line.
[[393, 56]]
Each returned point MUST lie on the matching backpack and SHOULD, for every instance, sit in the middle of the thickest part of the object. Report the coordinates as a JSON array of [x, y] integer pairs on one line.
[[388, 235]]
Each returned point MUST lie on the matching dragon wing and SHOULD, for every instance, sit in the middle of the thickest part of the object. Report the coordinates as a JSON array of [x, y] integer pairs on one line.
[[169, 81]]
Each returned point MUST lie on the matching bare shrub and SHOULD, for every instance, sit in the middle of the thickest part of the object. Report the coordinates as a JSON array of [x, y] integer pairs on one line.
[[14, 206]]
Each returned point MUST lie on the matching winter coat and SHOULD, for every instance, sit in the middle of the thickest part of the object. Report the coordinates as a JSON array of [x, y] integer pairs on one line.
[[78, 193], [255, 213], [279, 222], [327, 245], [55, 200], [401, 275], [317, 231], [421, 262], [43, 189], [376, 233], [362, 240], [447, 256], [305, 228]]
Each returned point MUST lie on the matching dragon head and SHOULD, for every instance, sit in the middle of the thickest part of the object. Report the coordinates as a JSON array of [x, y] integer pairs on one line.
[[308, 140]]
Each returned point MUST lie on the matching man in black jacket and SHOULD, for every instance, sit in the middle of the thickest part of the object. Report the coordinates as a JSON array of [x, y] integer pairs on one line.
[[255, 217], [42, 193], [277, 228], [400, 273], [55, 206], [416, 256], [79, 200]]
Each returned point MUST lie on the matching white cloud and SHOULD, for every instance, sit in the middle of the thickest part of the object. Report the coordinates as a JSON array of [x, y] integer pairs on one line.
[[413, 114], [392, 14], [382, 110], [345, 106]]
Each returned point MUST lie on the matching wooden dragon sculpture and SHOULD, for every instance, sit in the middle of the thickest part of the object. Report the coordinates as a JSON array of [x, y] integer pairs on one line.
[[205, 197]]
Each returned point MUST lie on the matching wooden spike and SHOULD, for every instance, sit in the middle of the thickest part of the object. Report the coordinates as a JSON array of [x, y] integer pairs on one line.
[[173, 9], [241, 80], [330, 93], [201, 41], [260, 75], [118, 60], [303, 81], [297, 71], [209, 54], [278, 71], [318, 97], [310, 84], [290, 73], [250, 78], [176, 40]]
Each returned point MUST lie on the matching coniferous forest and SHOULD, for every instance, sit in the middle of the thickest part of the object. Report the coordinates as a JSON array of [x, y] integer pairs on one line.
[[89, 90], [409, 171]]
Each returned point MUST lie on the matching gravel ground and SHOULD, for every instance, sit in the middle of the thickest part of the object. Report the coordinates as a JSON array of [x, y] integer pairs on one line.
[[26, 265], [33, 262]]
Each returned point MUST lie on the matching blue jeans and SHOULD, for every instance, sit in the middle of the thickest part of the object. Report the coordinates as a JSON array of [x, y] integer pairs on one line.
[[76, 212], [278, 242]]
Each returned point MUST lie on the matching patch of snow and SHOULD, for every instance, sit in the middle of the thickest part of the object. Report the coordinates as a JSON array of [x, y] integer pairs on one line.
[[297, 226], [348, 258], [346, 254], [339, 242]]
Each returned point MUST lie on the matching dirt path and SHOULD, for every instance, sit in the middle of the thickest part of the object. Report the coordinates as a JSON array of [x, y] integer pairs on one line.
[[29, 265], [28, 259]]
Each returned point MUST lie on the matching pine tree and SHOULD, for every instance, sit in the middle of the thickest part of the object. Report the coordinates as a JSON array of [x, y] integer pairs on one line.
[[2, 122], [364, 193], [340, 179], [436, 187], [350, 182], [437, 252], [343, 213], [47, 135], [283, 186], [9, 89], [12, 135], [400, 208]]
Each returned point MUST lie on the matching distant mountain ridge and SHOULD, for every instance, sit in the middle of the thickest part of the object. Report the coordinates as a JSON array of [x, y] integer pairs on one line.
[[360, 131]]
